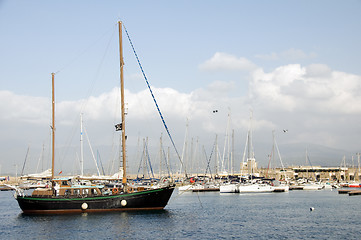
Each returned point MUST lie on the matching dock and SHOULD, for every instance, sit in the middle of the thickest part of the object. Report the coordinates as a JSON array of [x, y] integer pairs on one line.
[[344, 191], [354, 192], [5, 188], [206, 190], [280, 190]]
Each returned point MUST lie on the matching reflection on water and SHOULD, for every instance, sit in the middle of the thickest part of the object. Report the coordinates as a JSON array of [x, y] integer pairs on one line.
[[199, 215], [84, 225]]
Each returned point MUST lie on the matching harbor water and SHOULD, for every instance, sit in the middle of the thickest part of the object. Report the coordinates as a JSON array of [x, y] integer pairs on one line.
[[207, 215]]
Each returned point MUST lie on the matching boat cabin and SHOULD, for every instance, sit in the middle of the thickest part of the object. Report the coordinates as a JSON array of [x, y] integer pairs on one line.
[[64, 187]]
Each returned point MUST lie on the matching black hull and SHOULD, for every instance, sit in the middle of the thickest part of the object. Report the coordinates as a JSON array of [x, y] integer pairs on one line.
[[154, 199]]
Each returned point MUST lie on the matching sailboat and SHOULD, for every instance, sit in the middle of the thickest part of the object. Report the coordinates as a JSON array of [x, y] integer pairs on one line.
[[64, 195], [253, 185], [311, 185], [232, 185], [282, 184]]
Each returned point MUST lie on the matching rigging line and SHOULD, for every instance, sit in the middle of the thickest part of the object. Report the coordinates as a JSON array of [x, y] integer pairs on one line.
[[40, 158], [148, 158], [90, 89], [200, 203], [83, 52], [96, 77], [166, 163], [85, 100], [92, 152], [140, 163], [181, 193], [279, 155], [210, 157], [141, 158], [155, 102], [205, 154], [137, 152], [26, 157]]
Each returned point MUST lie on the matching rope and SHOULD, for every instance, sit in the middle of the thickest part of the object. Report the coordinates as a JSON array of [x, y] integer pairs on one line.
[[63, 153], [84, 51], [140, 163], [210, 158], [181, 193], [167, 163], [155, 102], [148, 158]]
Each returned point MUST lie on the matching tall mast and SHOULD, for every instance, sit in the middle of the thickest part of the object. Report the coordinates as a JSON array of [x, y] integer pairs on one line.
[[250, 160], [250, 143], [216, 151], [160, 154], [232, 152], [53, 127], [81, 146], [122, 102]]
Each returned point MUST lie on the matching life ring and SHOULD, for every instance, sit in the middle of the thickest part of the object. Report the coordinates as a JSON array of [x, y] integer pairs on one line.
[[123, 203], [84, 206], [115, 190]]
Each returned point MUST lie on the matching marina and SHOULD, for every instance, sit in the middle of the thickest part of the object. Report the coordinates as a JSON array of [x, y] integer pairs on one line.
[[180, 120], [204, 215]]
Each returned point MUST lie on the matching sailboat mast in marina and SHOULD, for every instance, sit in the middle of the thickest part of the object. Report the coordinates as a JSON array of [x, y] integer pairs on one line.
[[70, 195], [124, 180], [52, 126]]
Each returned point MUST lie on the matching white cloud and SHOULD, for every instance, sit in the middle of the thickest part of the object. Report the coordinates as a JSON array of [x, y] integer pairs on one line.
[[316, 104], [221, 87], [296, 54], [291, 54], [346, 97], [286, 89], [23, 108], [266, 88], [318, 70], [224, 61], [315, 88]]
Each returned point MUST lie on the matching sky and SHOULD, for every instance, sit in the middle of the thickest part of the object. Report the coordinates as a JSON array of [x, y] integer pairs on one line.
[[293, 64]]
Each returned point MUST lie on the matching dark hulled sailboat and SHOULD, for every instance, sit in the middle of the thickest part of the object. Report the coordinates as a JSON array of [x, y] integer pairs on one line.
[[65, 196], [93, 200]]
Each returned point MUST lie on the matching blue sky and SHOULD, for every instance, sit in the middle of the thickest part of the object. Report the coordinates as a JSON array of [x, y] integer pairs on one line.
[[264, 55], [173, 38]]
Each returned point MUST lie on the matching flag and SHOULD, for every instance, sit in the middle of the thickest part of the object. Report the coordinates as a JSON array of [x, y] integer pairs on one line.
[[118, 127], [60, 172]]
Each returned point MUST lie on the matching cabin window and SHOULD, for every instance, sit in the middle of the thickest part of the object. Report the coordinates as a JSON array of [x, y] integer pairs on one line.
[[76, 191], [85, 191], [64, 183]]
